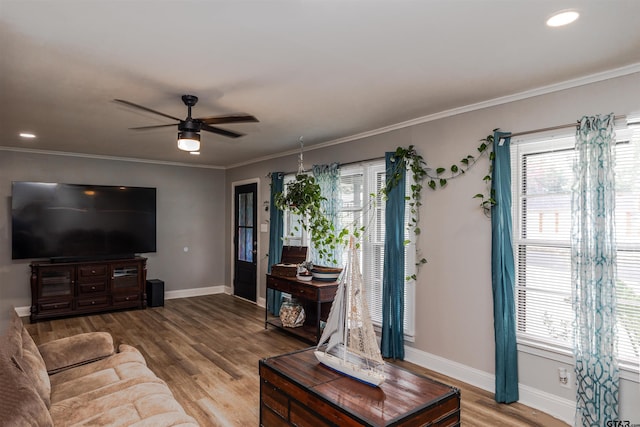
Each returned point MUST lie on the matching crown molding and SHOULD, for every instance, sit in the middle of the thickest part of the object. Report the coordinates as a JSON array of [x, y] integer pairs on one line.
[[543, 90], [112, 158]]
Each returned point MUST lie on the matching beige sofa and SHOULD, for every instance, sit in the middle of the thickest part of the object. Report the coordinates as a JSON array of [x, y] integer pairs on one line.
[[80, 381]]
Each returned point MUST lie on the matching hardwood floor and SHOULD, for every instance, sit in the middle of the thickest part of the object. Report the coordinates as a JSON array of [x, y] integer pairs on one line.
[[207, 350]]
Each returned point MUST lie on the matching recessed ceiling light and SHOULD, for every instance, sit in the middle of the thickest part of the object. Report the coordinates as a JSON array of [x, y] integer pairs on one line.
[[562, 18], [27, 135]]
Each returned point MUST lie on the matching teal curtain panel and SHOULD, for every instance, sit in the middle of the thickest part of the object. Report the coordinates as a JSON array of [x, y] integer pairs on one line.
[[503, 273]]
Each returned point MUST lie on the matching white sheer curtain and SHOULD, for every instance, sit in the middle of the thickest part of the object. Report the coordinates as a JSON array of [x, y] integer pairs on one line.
[[594, 271]]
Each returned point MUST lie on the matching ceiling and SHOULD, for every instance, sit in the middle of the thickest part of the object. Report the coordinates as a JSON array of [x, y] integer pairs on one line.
[[322, 69]]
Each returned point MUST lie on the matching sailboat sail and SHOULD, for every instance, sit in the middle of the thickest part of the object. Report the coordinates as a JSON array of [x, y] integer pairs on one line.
[[351, 345]]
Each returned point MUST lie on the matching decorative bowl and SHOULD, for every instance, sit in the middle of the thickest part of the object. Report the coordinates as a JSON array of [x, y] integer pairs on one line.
[[305, 277], [327, 274]]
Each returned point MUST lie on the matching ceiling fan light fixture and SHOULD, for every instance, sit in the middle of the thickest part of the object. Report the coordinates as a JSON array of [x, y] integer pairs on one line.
[[189, 141], [564, 17]]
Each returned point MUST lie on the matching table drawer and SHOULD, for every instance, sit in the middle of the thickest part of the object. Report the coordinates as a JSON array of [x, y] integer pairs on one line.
[[279, 285], [304, 293]]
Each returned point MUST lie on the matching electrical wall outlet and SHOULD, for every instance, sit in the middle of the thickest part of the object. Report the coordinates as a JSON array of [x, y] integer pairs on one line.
[[564, 377]]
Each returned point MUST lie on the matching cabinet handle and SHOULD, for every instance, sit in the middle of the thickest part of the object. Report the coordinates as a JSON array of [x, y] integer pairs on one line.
[[126, 299], [93, 302], [93, 272], [93, 288]]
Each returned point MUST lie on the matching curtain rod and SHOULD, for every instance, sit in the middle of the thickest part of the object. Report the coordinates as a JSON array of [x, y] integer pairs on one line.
[[566, 126], [340, 164]]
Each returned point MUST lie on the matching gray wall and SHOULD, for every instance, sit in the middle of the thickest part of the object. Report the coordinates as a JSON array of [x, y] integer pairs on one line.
[[454, 319], [190, 213]]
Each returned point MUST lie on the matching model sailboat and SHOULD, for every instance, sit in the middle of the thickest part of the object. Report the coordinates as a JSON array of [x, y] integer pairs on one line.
[[348, 343]]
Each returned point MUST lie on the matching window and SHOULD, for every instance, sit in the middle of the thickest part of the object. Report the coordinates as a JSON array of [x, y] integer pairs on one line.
[[357, 183], [542, 179]]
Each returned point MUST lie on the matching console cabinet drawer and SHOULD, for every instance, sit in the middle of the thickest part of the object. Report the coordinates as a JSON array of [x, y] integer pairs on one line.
[[100, 301], [90, 288], [55, 306], [125, 298], [91, 271]]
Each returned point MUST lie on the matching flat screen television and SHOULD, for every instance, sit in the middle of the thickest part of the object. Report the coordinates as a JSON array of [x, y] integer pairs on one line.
[[81, 222]]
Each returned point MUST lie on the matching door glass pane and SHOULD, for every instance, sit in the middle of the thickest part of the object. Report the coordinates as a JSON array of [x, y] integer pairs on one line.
[[242, 208], [248, 255], [248, 209], [241, 243], [245, 227]]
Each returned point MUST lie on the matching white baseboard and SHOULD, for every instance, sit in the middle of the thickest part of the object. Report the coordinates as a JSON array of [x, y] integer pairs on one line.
[[558, 407], [23, 311], [195, 292]]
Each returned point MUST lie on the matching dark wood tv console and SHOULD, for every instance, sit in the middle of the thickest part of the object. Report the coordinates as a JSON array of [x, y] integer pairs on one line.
[[61, 289]]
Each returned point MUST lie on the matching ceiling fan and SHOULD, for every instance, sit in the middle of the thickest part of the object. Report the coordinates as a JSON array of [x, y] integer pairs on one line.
[[189, 128]]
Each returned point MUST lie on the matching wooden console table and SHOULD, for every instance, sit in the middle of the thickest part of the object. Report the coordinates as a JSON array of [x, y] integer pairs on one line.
[[295, 389], [316, 298]]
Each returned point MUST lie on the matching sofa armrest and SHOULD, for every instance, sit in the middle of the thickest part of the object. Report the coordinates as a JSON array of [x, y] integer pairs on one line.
[[65, 353]]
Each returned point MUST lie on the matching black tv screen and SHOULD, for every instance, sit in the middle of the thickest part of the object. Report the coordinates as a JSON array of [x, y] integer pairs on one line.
[[72, 221]]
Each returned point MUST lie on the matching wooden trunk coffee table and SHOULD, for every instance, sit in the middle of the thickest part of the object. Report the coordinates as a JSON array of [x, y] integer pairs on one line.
[[295, 389]]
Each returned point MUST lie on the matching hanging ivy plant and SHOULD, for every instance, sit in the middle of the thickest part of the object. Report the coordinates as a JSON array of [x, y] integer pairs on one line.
[[303, 198]]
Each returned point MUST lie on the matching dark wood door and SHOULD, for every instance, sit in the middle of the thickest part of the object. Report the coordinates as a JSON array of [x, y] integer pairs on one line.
[[246, 240]]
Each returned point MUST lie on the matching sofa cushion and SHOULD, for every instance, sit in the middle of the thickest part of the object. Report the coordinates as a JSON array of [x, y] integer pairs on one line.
[[76, 350], [13, 339], [17, 391], [33, 365], [117, 391]]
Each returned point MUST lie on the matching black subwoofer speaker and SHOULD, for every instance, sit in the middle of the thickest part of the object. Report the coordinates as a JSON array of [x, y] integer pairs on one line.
[[155, 293]]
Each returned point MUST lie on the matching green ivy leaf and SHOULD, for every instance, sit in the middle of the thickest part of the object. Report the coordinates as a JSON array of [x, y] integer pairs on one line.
[[454, 168], [443, 182], [479, 196], [440, 170], [432, 184]]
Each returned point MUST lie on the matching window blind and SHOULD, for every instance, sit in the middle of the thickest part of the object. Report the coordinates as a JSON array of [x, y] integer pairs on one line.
[[541, 183]]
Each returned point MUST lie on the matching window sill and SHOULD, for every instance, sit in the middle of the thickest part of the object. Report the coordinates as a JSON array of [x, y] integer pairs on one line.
[[627, 372]]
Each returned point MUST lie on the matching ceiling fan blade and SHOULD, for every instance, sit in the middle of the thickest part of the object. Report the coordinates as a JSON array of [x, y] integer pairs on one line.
[[220, 131], [153, 127], [233, 118], [131, 104]]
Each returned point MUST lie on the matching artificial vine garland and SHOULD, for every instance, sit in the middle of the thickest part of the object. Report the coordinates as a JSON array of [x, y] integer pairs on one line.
[[437, 178]]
